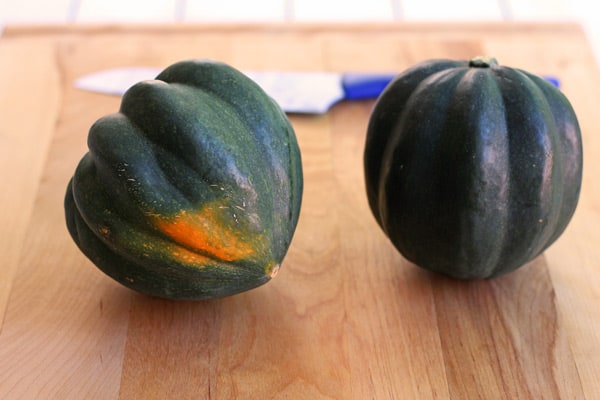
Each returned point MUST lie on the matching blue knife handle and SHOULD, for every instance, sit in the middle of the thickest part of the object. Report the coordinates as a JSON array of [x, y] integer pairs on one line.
[[553, 80], [359, 86]]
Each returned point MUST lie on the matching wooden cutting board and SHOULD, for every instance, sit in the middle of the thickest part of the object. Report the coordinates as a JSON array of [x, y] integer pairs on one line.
[[347, 317]]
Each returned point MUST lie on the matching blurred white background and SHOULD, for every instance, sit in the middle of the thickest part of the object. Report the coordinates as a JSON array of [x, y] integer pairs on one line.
[[228, 11]]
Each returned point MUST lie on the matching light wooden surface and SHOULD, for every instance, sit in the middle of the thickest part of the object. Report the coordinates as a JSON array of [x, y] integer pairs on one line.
[[347, 317]]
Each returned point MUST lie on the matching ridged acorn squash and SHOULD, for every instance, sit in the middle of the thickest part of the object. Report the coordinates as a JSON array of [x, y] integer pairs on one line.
[[472, 169], [193, 189]]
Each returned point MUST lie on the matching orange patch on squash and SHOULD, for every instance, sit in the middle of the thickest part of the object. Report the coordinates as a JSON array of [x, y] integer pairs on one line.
[[189, 257], [210, 232]]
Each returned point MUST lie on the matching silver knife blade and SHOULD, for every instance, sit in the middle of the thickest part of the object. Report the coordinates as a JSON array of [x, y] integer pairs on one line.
[[295, 92], [301, 92], [115, 81]]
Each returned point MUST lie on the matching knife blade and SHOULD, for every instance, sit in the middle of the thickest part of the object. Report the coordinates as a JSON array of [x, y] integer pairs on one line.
[[294, 91]]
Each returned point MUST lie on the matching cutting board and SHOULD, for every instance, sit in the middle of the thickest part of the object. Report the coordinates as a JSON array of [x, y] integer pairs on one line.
[[347, 317]]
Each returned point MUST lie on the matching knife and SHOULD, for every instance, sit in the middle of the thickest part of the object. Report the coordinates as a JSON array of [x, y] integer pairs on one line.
[[295, 92]]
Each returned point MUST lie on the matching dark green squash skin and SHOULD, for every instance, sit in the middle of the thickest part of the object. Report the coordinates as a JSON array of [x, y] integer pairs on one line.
[[472, 169], [193, 189]]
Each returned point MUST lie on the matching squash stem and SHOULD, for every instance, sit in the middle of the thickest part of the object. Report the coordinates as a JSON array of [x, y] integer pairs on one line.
[[483, 62]]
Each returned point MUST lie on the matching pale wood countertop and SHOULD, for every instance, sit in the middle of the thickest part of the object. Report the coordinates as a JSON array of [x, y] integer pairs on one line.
[[347, 317]]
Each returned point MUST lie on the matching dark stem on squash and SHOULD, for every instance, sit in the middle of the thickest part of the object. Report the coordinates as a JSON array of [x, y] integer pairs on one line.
[[483, 62]]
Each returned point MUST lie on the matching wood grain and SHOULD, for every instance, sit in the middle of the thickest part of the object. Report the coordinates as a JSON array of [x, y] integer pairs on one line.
[[65, 323], [494, 332], [23, 142], [171, 349], [347, 317]]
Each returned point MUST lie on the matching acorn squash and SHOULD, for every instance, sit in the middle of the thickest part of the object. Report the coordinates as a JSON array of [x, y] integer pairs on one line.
[[193, 189], [472, 169]]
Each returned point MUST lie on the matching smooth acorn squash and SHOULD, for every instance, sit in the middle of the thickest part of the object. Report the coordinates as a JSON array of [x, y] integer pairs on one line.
[[193, 189], [472, 169]]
